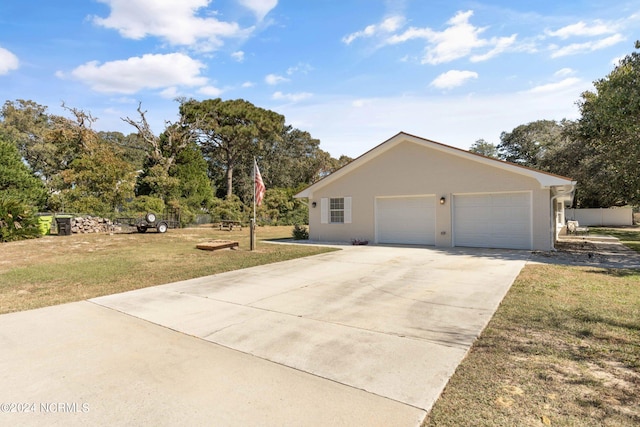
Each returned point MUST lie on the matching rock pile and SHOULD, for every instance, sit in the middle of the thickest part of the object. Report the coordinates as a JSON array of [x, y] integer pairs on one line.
[[91, 224]]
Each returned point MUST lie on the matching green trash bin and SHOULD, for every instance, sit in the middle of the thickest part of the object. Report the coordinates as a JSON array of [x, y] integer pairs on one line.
[[44, 224], [64, 226]]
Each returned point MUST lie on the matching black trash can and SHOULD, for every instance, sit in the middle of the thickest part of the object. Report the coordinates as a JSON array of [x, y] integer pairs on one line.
[[64, 226]]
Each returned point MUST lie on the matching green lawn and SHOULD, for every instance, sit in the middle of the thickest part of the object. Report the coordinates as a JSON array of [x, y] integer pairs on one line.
[[629, 237], [58, 269], [563, 349]]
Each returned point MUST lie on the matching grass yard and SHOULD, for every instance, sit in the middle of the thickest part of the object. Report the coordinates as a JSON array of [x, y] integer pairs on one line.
[[563, 349], [629, 237], [59, 269]]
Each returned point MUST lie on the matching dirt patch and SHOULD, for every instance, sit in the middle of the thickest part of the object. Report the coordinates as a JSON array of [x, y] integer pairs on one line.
[[589, 253]]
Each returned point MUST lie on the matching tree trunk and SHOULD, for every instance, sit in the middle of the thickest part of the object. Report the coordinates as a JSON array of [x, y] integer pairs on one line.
[[229, 180]]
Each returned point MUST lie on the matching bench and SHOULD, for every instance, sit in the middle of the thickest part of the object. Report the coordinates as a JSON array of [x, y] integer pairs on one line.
[[573, 227]]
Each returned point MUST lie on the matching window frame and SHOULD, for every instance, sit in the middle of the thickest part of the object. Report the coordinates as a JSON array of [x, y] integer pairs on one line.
[[336, 210]]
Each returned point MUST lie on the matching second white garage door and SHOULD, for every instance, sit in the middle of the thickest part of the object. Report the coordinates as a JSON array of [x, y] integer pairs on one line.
[[501, 220], [406, 220]]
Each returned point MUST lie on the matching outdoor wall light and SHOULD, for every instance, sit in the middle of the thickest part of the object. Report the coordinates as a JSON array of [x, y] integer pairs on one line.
[[314, 204], [442, 200]]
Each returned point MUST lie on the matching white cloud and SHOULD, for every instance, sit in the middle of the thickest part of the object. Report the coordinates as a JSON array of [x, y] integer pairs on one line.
[[293, 97], [555, 87], [359, 103], [138, 73], [274, 79], [210, 91], [564, 72], [124, 100], [453, 78], [616, 61], [238, 56], [458, 40], [358, 124], [389, 25], [577, 48], [248, 84], [501, 44], [170, 93], [176, 22], [8, 61], [259, 7], [598, 28], [302, 67]]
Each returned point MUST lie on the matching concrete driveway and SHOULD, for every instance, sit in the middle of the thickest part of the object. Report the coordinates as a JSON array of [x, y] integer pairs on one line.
[[368, 335]]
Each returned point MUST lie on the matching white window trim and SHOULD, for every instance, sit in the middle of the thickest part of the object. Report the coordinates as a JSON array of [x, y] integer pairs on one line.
[[324, 210]]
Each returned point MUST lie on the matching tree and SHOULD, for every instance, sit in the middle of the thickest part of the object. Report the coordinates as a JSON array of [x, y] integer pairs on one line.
[[41, 138], [290, 160], [194, 188], [162, 153], [528, 144], [16, 180], [20, 193], [25, 123], [134, 149], [281, 208], [484, 148], [98, 181], [231, 133], [609, 128]]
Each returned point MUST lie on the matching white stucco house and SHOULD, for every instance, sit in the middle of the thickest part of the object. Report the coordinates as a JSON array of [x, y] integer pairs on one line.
[[411, 190]]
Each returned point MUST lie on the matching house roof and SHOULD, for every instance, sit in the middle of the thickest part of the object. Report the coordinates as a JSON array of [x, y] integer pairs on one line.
[[546, 180]]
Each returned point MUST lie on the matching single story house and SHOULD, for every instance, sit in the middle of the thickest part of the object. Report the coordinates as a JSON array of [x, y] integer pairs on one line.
[[411, 190]]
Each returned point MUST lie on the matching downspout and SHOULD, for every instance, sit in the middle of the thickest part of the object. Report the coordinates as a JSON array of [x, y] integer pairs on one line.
[[554, 223]]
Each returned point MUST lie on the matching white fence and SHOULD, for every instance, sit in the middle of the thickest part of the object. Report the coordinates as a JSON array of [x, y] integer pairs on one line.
[[601, 217]]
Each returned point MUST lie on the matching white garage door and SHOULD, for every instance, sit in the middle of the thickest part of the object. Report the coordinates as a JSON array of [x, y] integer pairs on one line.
[[406, 220], [500, 220]]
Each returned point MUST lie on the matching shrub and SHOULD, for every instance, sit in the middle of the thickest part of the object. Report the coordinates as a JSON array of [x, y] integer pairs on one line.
[[230, 208], [17, 220], [300, 232], [143, 204]]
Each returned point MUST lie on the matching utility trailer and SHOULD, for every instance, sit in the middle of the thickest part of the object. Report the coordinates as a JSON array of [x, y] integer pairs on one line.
[[170, 219]]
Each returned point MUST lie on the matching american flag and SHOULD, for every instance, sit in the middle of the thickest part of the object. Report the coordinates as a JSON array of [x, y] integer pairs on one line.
[[260, 188]]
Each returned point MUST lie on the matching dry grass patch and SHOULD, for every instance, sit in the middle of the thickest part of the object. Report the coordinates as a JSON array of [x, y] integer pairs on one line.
[[563, 349], [58, 269]]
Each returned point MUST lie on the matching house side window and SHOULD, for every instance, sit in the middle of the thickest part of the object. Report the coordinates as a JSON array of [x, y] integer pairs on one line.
[[336, 210]]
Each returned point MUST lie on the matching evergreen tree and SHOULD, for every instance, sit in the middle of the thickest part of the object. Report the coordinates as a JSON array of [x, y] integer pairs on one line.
[[16, 180]]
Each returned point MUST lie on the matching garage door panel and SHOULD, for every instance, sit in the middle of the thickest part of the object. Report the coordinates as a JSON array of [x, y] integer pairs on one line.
[[406, 220], [493, 220]]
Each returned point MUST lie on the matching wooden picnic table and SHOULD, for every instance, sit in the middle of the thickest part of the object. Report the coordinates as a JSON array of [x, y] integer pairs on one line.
[[230, 225]]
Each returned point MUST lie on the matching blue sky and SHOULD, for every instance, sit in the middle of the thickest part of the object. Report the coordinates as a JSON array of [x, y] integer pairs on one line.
[[353, 73]]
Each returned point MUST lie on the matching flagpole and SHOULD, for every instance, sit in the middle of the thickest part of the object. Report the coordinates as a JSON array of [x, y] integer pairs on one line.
[[255, 164], [252, 226]]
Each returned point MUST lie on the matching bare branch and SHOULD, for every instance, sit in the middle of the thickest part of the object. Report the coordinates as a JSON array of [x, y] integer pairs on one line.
[[145, 132]]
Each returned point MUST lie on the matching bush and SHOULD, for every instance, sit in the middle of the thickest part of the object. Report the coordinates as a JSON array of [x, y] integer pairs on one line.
[[18, 221], [230, 208], [281, 208], [143, 204], [300, 232], [75, 202]]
